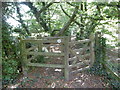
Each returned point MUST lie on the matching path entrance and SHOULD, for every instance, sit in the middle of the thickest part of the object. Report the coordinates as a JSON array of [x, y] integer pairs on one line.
[[75, 56]]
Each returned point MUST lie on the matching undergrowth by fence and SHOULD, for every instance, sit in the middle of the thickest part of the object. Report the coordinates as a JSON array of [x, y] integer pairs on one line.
[[101, 66]]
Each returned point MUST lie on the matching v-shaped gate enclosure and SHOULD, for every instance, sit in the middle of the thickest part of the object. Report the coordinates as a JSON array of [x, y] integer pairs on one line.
[[76, 55]]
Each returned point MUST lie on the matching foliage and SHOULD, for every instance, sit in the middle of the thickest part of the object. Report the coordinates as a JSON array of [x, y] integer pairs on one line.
[[10, 53], [100, 59], [111, 81], [100, 55], [10, 70]]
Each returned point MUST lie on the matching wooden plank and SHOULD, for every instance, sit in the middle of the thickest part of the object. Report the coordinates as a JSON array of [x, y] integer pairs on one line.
[[92, 54], [81, 49], [80, 70], [24, 58], [32, 40], [52, 41], [78, 64], [41, 41], [45, 53], [83, 56], [33, 47], [55, 45], [79, 41], [40, 46], [45, 65], [66, 62], [53, 37]]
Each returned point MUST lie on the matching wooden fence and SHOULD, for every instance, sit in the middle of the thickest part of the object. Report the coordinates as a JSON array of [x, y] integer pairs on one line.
[[77, 55], [113, 63], [110, 58]]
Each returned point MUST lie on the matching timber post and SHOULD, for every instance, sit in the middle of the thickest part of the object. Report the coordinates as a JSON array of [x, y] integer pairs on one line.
[[92, 41], [40, 44], [66, 57], [23, 58]]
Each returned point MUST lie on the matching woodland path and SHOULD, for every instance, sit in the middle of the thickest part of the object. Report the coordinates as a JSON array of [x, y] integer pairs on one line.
[[53, 78]]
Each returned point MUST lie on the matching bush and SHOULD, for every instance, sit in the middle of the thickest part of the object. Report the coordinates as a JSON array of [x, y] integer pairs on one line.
[[9, 70]]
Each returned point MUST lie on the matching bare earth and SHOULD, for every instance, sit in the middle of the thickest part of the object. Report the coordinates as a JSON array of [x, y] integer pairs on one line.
[[49, 78]]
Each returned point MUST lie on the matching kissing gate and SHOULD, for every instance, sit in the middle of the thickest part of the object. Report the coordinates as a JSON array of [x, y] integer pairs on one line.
[[75, 55]]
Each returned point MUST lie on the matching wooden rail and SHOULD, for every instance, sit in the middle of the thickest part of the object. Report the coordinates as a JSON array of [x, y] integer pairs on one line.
[[106, 65], [80, 70], [46, 65], [83, 56], [45, 53], [78, 64], [79, 41]]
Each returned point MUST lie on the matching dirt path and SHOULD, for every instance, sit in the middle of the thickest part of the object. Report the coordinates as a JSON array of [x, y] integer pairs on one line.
[[53, 78]]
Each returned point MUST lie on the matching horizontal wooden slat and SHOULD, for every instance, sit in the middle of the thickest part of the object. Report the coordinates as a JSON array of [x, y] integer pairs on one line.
[[83, 56], [31, 40], [46, 65], [78, 64], [53, 45], [80, 49], [79, 41], [51, 41], [41, 41], [80, 70], [53, 37], [31, 48], [45, 53]]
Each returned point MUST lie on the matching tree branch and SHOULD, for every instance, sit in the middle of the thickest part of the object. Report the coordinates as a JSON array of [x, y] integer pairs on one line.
[[45, 7], [69, 16], [70, 4], [37, 13], [109, 5], [66, 26], [20, 19]]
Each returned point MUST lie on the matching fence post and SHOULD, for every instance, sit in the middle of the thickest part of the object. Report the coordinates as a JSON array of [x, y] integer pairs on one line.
[[66, 52], [40, 44], [23, 58], [92, 48]]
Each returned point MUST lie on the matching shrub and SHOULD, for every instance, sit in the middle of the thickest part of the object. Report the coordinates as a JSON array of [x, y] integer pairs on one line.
[[9, 70]]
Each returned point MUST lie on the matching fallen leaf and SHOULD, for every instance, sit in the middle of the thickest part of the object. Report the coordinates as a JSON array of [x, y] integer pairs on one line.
[[53, 85]]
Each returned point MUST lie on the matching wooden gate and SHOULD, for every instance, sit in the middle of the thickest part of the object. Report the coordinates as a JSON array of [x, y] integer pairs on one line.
[[81, 55], [76, 55]]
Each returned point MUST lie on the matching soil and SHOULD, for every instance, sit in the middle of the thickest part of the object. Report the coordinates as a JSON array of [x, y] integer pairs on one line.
[[53, 78]]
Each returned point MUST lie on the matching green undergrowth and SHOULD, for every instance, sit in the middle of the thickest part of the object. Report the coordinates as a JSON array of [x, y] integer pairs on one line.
[[99, 64], [9, 70]]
